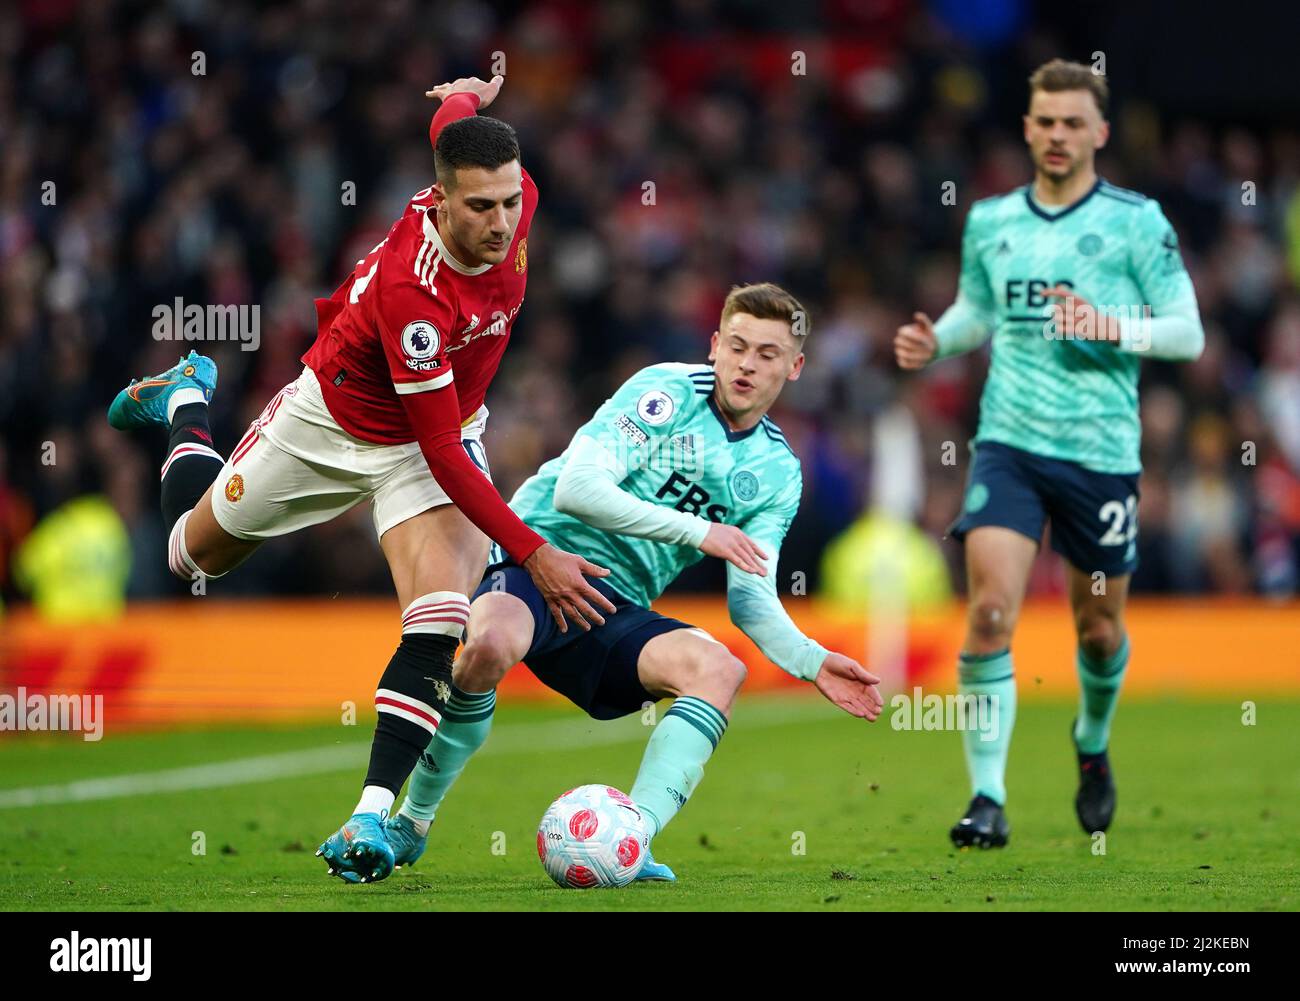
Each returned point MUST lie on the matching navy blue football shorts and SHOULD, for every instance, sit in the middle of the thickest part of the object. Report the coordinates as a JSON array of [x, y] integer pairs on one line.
[[1093, 515], [594, 669]]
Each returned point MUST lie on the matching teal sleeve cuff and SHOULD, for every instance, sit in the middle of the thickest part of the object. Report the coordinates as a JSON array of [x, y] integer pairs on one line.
[[962, 328], [758, 613], [1176, 335]]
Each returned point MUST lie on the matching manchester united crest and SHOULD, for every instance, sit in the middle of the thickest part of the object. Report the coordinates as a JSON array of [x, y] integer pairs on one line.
[[521, 257], [234, 488]]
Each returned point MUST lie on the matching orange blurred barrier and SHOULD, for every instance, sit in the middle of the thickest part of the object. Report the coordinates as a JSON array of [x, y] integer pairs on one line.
[[228, 661]]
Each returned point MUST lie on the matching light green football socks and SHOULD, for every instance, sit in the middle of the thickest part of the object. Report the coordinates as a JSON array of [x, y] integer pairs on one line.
[[1099, 684], [991, 676], [465, 725], [674, 759]]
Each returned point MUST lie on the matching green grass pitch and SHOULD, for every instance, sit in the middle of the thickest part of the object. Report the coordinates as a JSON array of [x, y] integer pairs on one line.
[[1207, 819]]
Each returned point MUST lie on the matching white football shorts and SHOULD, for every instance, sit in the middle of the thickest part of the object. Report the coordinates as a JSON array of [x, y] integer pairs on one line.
[[296, 467]]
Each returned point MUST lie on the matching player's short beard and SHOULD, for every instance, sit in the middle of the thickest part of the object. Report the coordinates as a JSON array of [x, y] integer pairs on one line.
[[1072, 166]]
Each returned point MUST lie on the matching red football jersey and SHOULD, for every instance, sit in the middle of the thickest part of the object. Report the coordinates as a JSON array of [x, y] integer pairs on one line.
[[407, 347], [411, 318]]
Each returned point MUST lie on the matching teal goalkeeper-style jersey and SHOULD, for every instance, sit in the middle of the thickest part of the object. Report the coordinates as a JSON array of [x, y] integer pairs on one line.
[[664, 431], [1067, 398]]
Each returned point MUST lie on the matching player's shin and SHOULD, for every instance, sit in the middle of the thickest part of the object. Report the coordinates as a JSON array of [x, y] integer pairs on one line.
[[674, 759], [1099, 684], [192, 463], [989, 677], [465, 725], [412, 694], [190, 467]]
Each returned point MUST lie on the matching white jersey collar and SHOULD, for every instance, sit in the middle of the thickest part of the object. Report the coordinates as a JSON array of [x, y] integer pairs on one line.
[[433, 236]]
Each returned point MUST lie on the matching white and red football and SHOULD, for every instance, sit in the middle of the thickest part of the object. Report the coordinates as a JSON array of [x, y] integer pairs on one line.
[[592, 836]]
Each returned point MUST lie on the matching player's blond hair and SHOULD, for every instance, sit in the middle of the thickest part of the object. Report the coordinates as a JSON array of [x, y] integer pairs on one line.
[[1060, 74], [766, 301]]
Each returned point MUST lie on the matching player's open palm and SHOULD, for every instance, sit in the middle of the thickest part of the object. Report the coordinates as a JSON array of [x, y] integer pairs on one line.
[[485, 90], [559, 575], [729, 543], [915, 343], [850, 686]]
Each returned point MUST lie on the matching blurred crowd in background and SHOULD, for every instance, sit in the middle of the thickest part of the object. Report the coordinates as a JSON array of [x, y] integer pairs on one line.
[[679, 148]]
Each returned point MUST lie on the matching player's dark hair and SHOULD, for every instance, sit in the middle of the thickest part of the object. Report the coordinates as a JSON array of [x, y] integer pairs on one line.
[[476, 141], [766, 301], [1060, 74]]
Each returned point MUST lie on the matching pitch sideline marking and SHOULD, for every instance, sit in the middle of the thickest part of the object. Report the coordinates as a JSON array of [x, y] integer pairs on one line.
[[517, 738]]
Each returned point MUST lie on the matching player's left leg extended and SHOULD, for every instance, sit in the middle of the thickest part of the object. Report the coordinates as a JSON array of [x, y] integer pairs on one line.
[[436, 557], [177, 399], [703, 677], [1101, 660]]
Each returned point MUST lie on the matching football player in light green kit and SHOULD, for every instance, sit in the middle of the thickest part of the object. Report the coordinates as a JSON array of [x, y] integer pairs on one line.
[[681, 462], [1076, 281]]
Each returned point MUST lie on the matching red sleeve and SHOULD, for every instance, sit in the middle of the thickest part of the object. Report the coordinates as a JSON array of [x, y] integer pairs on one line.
[[456, 106], [435, 416]]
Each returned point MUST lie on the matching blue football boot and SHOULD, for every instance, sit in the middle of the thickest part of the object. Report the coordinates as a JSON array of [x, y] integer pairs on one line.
[[407, 845], [654, 872], [358, 852], [144, 402]]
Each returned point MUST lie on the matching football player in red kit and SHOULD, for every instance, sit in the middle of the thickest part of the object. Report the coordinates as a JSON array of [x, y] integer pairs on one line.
[[389, 408]]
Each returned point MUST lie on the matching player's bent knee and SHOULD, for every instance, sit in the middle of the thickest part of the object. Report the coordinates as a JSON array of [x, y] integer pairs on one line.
[[488, 656], [715, 674], [1100, 638], [188, 554], [732, 672], [199, 545], [991, 621]]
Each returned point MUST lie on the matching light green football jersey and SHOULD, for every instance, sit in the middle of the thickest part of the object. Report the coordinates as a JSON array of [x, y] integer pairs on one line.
[[679, 453], [1066, 398]]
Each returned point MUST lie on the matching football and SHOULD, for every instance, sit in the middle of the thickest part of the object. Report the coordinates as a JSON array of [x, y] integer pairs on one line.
[[592, 836]]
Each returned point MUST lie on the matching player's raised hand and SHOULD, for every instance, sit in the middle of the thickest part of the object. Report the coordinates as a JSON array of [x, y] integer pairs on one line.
[[731, 544], [1075, 317], [850, 686], [915, 343], [486, 91], [559, 576]]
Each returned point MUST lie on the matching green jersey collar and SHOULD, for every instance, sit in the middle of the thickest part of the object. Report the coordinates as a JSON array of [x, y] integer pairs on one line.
[[1053, 216], [731, 435]]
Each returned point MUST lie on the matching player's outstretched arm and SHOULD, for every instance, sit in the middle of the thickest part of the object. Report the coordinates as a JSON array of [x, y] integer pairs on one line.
[[757, 611], [485, 90], [460, 99]]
